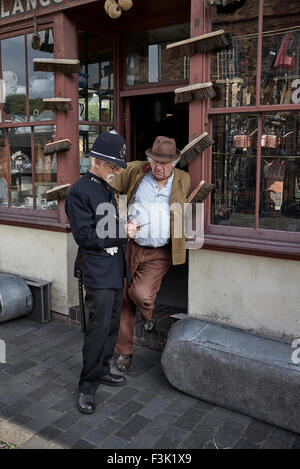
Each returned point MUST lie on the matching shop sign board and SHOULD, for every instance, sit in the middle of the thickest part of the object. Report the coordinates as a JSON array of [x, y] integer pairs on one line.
[[11, 8]]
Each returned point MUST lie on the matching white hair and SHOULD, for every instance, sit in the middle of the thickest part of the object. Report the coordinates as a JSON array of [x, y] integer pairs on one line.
[[174, 163]]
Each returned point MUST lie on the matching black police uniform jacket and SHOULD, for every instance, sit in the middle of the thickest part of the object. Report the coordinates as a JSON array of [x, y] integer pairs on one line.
[[99, 268]]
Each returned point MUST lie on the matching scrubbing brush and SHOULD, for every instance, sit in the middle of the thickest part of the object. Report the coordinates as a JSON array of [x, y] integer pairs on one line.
[[196, 91], [201, 191], [57, 65], [214, 41], [57, 104], [194, 148], [58, 192], [57, 146]]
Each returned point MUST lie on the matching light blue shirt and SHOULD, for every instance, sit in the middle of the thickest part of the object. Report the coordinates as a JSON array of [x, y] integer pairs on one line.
[[151, 206]]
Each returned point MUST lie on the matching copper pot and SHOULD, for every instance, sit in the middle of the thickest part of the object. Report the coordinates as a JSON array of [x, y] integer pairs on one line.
[[243, 140], [272, 140]]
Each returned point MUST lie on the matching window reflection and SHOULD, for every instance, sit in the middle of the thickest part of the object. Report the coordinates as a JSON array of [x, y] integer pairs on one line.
[[14, 77], [147, 60], [234, 70], [21, 167], [234, 170], [41, 84], [4, 172], [280, 172], [45, 167]]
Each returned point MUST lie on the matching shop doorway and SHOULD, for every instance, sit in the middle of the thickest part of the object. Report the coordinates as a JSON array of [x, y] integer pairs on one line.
[[153, 115], [150, 116]]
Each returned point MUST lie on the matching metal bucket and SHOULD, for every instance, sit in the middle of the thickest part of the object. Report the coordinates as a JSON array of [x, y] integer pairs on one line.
[[15, 297]]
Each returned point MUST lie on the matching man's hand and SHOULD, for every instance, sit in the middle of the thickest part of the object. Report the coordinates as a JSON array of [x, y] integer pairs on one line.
[[132, 228]]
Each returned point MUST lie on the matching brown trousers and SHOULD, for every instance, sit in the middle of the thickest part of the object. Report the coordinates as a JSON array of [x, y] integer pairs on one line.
[[147, 267]]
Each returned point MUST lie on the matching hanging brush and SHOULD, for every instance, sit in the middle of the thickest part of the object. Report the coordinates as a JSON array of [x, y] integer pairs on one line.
[[196, 91], [201, 191], [36, 40], [58, 192], [56, 65], [194, 148], [57, 104], [57, 146], [214, 41]]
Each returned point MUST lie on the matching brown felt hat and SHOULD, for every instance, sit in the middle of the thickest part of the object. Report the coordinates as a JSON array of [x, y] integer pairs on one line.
[[163, 150]]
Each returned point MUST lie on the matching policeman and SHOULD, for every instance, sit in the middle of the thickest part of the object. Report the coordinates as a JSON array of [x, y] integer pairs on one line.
[[102, 261]]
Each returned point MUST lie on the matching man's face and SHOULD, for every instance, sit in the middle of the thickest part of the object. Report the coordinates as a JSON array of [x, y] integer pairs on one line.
[[160, 170], [106, 171]]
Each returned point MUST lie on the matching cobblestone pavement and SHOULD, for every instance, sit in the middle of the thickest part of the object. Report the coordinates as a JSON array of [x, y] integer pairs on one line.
[[38, 388]]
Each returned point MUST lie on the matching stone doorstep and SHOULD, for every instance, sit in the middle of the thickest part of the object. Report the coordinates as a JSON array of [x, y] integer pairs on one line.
[[234, 369]]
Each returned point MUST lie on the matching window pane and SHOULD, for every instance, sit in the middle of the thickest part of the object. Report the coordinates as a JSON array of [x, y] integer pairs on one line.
[[147, 60], [14, 77], [45, 167], [41, 84], [96, 80], [87, 137], [21, 168], [234, 69], [4, 172], [281, 53], [234, 170], [280, 172]]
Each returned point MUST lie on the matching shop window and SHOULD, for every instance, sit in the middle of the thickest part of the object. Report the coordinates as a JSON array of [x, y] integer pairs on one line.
[[234, 70], [280, 172], [96, 80], [25, 172], [255, 158], [147, 60], [234, 170]]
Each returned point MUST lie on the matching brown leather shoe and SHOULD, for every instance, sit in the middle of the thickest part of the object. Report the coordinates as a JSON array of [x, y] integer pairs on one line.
[[123, 362]]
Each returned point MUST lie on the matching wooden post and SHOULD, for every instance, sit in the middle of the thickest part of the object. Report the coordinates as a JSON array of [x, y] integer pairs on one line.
[[66, 47], [199, 73]]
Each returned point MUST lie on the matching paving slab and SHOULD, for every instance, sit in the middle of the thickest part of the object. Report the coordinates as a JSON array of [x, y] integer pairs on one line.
[[38, 387]]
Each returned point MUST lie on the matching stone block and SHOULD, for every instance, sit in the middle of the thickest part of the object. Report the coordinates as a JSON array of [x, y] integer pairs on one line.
[[234, 369]]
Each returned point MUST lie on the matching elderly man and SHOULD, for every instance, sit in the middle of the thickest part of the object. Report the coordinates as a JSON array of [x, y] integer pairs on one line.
[[102, 261], [151, 188]]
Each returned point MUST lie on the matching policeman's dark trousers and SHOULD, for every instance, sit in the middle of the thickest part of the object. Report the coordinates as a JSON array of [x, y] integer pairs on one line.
[[104, 308]]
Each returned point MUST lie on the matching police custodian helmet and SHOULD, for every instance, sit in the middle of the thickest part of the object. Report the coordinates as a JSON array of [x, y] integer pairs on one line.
[[110, 147]]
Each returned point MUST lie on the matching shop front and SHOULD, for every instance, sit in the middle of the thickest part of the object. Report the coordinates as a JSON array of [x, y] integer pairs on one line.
[[246, 273]]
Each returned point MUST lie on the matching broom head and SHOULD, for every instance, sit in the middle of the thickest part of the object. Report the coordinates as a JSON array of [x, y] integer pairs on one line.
[[200, 193], [195, 148], [57, 146], [57, 104], [56, 65], [196, 91], [58, 192], [214, 41]]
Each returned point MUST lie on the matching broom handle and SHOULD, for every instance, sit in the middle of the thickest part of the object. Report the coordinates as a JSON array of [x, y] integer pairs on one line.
[[197, 188]]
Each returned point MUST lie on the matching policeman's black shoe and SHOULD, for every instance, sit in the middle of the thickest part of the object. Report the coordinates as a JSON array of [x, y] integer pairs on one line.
[[149, 325], [86, 403], [113, 380]]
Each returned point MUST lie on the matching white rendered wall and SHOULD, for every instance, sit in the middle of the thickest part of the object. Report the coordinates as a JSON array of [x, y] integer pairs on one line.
[[258, 294], [41, 254]]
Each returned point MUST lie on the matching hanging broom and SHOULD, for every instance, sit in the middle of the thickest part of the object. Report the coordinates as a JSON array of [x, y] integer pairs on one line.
[[194, 148], [36, 40], [56, 65], [57, 104], [201, 191], [57, 146], [58, 192], [214, 41], [196, 91]]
